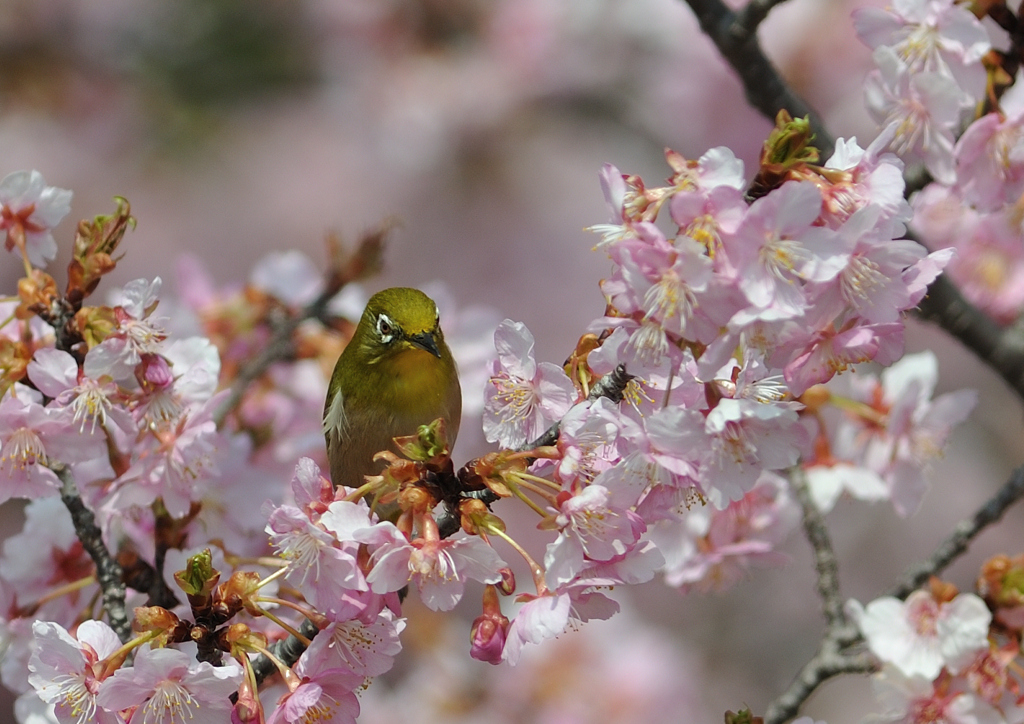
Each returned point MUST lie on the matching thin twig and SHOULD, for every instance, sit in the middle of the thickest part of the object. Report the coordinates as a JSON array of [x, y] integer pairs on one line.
[[365, 260], [831, 661], [824, 555], [765, 89], [280, 347], [108, 571], [963, 533], [828, 662]]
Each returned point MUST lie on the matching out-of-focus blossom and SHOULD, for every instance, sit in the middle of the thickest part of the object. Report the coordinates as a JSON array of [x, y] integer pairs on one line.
[[921, 109], [921, 635], [917, 700], [29, 210], [711, 550]]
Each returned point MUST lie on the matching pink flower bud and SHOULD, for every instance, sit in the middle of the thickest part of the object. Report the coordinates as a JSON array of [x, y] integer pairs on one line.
[[487, 638], [154, 372]]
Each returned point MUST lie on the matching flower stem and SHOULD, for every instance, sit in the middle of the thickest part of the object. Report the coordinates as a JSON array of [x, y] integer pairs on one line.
[[536, 570]]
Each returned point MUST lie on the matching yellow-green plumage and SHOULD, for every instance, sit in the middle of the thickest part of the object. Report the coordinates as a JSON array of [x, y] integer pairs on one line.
[[396, 374]]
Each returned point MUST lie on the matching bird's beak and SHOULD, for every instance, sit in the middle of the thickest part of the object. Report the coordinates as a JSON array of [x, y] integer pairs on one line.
[[426, 341]]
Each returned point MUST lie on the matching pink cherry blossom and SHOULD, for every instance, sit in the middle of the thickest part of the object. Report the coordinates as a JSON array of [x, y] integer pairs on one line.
[[921, 109], [661, 449], [831, 351], [916, 700], [590, 527], [169, 685], [711, 550], [657, 280], [29, 209], [321, 569], [137, 333], [920, 636], [32, 436], [871, 285], [618, 227], [990, 161], [741, 438], [928, 35], [915, 430], [586, 440], [47, 554], [827, 481], [65, 667], [546, 615], [875, 178], [323, 696], [523, 397], [439, 568], [174, 462], [365, 649], [776, 248]]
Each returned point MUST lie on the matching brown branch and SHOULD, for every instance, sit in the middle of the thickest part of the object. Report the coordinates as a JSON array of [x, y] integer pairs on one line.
[[108, 572], [363, 262], [963, 533], [829, 660], [280, 347], [825, 664], [736, 39], [999, 348]]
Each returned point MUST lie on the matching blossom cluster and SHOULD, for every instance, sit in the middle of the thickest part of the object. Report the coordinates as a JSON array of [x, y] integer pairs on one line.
[[935, 61], [129, 412], [948, 655], [671, 442], [731, 326]]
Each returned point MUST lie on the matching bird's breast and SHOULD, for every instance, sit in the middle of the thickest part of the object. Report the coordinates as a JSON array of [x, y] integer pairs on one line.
[[420, 384]]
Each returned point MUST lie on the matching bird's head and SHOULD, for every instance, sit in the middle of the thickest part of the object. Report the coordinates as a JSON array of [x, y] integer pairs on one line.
[[398, 321]]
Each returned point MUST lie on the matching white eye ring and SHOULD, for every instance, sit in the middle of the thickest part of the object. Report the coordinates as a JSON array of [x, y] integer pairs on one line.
[[385, 328]]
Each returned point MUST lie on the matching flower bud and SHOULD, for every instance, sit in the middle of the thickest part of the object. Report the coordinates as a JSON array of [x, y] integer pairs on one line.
[[153, 372], [487, 637], [507, 585], [415, 498]]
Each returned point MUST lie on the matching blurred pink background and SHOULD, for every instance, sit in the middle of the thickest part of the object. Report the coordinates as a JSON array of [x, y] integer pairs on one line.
[[236, 128]]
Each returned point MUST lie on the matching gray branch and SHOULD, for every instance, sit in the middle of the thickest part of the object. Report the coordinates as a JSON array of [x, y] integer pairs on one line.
[[108, 571], [735, 36], [824, 555], [280, 347], [963, 533]]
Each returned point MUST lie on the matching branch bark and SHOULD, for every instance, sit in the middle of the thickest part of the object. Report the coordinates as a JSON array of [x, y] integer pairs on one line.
[[735, 36], [108, 572], [963, 533], [1001, 349]]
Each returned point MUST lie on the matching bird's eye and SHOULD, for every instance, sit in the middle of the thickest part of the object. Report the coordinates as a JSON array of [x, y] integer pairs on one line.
[[385, 328]]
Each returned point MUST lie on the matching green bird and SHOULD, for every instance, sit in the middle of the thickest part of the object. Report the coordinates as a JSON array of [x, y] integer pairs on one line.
[[396, 374]]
